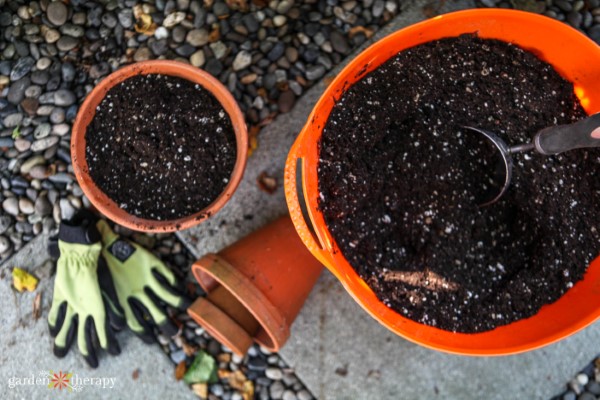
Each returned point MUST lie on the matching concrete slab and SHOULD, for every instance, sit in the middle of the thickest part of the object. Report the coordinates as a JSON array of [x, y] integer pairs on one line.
[[26, 346], [333, 333]]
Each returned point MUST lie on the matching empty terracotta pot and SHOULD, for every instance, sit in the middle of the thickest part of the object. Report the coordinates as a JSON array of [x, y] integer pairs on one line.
[[88, 109], [574, 56], [255, 287]]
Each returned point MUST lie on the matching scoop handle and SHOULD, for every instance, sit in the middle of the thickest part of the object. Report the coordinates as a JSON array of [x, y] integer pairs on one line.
[[557, 139]]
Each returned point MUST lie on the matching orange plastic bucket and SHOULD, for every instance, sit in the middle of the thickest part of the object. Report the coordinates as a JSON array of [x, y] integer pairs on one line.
[[575, 57]]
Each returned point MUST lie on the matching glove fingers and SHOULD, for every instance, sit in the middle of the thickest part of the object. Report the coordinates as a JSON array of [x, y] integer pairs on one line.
[[168, 293], [88, 339], [166, 326], [143, 318], [56, 318], [108, 236], [66, 335], [109, 294]]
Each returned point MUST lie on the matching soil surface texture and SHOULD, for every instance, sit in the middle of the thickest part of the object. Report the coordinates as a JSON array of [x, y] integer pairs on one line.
[[400, 183], [161, 147]]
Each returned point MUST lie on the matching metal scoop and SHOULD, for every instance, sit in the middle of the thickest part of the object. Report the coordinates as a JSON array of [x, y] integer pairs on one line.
[[548, 141]]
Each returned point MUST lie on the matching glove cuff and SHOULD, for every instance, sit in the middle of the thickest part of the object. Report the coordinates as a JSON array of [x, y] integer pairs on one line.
[[80, 229]]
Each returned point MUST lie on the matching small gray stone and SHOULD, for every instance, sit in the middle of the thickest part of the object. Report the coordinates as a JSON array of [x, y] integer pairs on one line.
[[109, 20], [276, 390], [67, 211], [64, 98], [304, 395], [16, 92], [22, 144], [39, 172], [33, 91], [43, 63], [274, 374], [178, 356], [197, 59], [51, 36], [5, 244], [5, 223], [315, 72], [61, 177], [61, 129], [66, 43], [197, 37], [57, 13], [57, 116], [42, 130], [592, 387], [11, 206], [173, 19], [142, 54], [586, 396], [12, 120], [43, 144], [22, 68], [126, 18], [72, 30], [32, 162], [289, 395], [40, 77], [26, 206], [242, 60]]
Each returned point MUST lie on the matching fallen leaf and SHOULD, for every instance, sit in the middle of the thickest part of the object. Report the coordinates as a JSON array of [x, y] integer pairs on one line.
[[215, 34], [37, 301], [145, 25], [266, 183], [240, 382], [180, 371], [253, 139], [360, 29], [202, 370], [188, 349], [200, 390], [224, 357], [136, 374], [224, 374], [241, 5], [22, 280]]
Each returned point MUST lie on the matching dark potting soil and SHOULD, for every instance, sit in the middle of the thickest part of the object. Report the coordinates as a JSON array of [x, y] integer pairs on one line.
[[160, 146], [400, 181]]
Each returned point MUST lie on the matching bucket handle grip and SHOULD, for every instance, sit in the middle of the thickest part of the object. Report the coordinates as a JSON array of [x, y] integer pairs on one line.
[[291, 195]]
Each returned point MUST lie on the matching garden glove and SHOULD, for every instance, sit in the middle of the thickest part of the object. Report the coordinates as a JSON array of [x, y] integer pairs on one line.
[[79, 306], [143, 284]]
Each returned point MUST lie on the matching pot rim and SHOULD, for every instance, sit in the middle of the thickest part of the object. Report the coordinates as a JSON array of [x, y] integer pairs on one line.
[[570, 313], [105, 204]]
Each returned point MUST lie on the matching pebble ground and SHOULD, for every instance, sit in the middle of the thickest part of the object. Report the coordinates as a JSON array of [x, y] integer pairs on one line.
[[267, 53]]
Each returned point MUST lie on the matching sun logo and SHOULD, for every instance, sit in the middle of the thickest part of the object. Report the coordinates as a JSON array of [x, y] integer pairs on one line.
[[60, 380]]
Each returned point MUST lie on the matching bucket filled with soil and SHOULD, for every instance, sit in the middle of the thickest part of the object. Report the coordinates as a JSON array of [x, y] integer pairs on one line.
[[159, 146], [394, 184]]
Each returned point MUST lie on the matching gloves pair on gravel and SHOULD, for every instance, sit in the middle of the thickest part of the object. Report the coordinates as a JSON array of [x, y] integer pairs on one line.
[[104, 282]]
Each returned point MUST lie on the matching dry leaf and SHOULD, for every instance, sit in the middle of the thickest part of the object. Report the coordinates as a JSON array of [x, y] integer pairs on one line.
[[426, 279], [266, 183], [188, 349], [137, 11], [215, 34], [180, 370], [145, 25], [238, 381], [37, 309], [22, 280], [248, 391], [224, 357], [200, 390], [136, 374], [223, 373], [360, 29]]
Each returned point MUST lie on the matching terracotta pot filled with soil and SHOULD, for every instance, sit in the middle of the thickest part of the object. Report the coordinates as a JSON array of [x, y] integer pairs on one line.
[[159, 146], [393, 183]]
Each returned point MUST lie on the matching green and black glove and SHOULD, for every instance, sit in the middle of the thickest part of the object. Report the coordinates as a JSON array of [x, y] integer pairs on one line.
[[79, 305], [144, 285]]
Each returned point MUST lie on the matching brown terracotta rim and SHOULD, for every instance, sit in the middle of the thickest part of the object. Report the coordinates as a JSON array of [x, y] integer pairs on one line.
[[220, 326], [274, 329], [87, 111]]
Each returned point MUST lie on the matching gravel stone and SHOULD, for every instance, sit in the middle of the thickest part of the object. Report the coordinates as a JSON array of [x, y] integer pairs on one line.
[[26, 206], [5, 223], [66, 210], [274, 374], [276, 390], [22, 68], [12, 120], [66, 43], [315, 72], [43, 144], [57, 13], [289, 395], [197, 37], [64, 98], [16, 92], [11, 206], [42, 130], [242, 60], [197, 59], [32, 162], [5, 244]]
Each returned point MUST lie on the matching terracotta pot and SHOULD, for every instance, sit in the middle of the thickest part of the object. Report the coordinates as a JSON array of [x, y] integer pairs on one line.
[[256, 287], [88, 109], [575, 57]]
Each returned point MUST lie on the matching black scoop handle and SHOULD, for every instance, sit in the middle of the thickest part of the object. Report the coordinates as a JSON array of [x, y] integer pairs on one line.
[[557, 139]]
